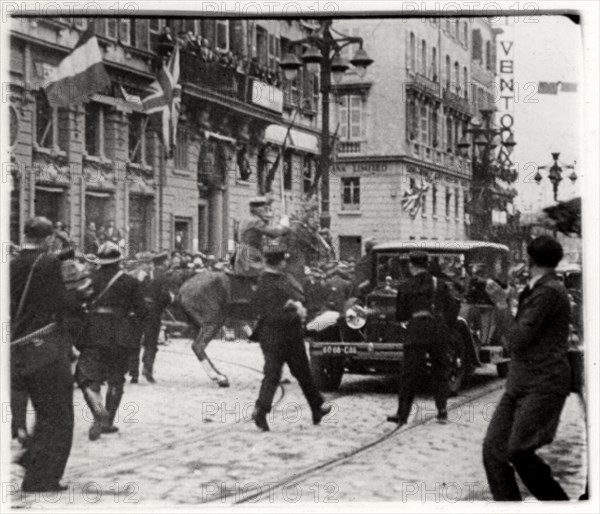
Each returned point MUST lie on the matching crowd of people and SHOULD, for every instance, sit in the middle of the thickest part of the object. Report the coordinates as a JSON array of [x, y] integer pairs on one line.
[[110, 309], [196, 45]]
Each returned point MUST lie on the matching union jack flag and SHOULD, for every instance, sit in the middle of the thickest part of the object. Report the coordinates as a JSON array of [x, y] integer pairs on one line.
[[412, 200], [162, 102]]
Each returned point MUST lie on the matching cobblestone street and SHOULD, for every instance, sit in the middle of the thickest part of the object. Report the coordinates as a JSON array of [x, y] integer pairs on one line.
[[185, 441]]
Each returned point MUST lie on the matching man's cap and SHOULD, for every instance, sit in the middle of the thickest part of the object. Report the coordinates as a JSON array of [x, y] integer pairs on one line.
[[160, 257], [144, 257], [370, 243], [109, 253], [418, 258], [38, 227]]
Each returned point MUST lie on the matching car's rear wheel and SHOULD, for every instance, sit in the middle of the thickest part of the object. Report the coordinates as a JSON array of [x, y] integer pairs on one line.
[[327, 373], [502, 368], [458, 364]]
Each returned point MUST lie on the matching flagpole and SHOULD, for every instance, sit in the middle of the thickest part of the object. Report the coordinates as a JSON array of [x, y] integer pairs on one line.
[[161, 183]]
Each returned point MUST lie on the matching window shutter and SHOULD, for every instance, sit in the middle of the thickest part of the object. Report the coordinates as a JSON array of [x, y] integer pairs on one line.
[[142, 33], [124, 31], [236, 37], [477, 42], [100, 27], [343, 117]]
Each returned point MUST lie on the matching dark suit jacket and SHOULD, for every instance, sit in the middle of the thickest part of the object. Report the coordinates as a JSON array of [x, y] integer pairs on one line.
[[538, 338], [156, 293], [416, 294], [122, 299], [276, 323]]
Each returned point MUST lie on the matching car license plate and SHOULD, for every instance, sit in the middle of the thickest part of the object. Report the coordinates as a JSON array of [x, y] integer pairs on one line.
[[339, 350]]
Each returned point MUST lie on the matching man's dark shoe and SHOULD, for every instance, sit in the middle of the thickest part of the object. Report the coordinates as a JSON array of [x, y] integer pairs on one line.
[[260, 419], [396, 419], [110, 429], [148, 376], [95, 430], [321, 413], [44, 488], [134, 380], [442, 417]]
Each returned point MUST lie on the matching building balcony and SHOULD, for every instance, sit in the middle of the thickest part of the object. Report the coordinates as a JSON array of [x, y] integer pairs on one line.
[[424, 84], [456, 101], [349, 147]]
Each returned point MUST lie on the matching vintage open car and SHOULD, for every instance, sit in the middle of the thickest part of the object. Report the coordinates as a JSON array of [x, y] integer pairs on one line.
[[366, 338]]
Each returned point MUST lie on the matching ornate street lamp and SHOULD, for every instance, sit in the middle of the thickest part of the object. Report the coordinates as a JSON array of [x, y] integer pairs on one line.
[[489, 163], [323, 51], [555, 170]]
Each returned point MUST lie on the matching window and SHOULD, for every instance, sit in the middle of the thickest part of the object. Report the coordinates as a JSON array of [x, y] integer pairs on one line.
[[348, 51], [488, 55], [351, 194], [456, 30], [351, 118], [125, 31], [308, 173], [94, 134], [448, 78], [44, 121], [111, 28], [449, 126], [457, 130], [288, 171], [412, 122], [262, 46], [476, 49], [433, 72], [137, 138], [434, 200], [424, 57], [456, 202], [434, 129], [181, 150], [448, 200], [465, 82], [411, 53], [424, 125], [465, 33], [456, 85], [222, 39], [155, 28]]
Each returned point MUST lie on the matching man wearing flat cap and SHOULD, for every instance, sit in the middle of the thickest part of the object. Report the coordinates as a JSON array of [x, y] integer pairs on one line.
[[249, 260], [538, 382], [40, 366], [421, 302], [113, 333]]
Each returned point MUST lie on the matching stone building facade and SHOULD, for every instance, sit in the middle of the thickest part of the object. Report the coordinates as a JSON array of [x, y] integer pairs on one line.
[[399, 126], [100, 162]]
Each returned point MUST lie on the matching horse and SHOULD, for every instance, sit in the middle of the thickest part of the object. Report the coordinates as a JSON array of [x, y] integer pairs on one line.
[[211, 298]]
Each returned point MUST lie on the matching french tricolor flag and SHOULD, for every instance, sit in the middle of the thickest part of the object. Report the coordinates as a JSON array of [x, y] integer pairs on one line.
[[80, 75]]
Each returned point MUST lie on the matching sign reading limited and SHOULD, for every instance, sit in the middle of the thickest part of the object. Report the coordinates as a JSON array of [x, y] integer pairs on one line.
[[355, 167]]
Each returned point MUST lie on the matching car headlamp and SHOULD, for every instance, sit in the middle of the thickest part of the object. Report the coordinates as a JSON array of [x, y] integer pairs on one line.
[[355, 318]]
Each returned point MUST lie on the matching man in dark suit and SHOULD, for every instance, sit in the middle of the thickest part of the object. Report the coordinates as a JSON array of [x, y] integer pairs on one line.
[[113, 333], [422, 302], [155, 290], [278, 300], [41, 367], [538, 381]]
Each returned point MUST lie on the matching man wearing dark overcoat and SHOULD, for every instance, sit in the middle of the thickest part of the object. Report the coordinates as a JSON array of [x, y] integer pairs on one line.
[[421, 302], [278, 300], [538, 381], [113, 333], [41, 366]]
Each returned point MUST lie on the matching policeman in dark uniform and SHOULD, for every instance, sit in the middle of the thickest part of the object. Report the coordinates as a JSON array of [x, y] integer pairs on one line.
[[422, 301], [113, 333], [41, 367], [156, 294], [278, 300]]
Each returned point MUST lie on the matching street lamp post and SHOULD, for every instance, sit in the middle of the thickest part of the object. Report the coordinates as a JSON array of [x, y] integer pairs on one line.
[[555, 173], [490, 155], [324, 48]]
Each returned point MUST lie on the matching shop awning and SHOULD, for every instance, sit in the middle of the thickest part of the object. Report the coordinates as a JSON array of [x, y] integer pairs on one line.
[[297, 139]]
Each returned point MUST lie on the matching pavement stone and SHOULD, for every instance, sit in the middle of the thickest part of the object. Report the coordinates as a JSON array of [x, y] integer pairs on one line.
[[185, 441]]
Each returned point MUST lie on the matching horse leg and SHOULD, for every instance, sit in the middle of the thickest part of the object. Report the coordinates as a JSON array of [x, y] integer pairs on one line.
[[206, 333]]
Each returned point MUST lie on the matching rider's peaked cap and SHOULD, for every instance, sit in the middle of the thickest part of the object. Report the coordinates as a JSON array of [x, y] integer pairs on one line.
[[274, 248], [259, 201]]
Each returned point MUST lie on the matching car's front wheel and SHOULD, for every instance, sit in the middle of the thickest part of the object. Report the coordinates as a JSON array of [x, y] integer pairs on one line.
[[458, 365], [327, 372]]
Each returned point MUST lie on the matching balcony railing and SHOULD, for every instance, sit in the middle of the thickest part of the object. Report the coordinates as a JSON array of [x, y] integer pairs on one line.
[[424, 84], [456, 101], [214, 76], [349, 147]]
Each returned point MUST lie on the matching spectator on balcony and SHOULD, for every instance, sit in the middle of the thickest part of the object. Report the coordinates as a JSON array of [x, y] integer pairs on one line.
[[206, 51], [189, 43], [165, 42], [197, 43]]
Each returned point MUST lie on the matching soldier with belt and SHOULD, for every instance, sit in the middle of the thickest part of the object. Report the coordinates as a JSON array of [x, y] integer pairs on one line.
[[249, 257], [41, 366], [278, 300], [112, 334], [422, 301], [153, 282]]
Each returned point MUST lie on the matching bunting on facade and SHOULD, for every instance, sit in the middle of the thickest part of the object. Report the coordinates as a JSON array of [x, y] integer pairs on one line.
[[412, 200], [80, 75], [162, 100]]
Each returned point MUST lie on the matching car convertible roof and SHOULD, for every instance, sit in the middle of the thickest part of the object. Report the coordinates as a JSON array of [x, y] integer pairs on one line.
[[455, 246]]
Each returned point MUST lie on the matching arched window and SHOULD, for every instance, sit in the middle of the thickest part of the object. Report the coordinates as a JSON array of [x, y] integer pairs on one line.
[[448, 78], [411, 52], [423, 57], [465, 82], [433, 75], [456, 85], [466, 33]]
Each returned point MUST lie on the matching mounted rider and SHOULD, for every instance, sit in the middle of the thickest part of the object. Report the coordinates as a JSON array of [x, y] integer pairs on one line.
[[249, 259]]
